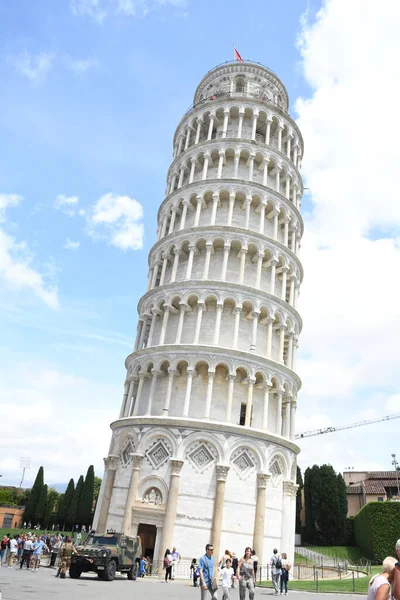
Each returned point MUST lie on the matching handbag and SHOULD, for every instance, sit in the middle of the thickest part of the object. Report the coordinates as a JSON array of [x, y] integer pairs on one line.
[[214, 584]]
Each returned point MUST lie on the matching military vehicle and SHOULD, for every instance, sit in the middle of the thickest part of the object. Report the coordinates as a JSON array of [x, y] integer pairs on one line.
[[105, 554]]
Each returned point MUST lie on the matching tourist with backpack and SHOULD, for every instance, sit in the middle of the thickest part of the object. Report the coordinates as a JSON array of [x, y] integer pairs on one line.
[[276, 570], [285, 573]]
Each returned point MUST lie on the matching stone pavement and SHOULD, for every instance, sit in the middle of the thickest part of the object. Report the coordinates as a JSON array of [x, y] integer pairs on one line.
[[16, 584]]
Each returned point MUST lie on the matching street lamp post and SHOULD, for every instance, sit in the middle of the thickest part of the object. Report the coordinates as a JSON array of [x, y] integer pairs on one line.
[[396, 466]]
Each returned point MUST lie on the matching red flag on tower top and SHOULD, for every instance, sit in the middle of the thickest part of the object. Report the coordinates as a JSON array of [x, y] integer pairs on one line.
[[237, 55]]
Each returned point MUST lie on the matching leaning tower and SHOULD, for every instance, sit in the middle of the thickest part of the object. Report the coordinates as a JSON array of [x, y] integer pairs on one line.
[[203, 449]]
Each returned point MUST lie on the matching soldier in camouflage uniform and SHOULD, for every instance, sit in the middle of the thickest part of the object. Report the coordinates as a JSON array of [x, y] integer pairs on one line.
[[66, 552]]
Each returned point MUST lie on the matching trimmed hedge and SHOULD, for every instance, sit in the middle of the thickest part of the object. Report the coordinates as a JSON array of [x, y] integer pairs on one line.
[[377, 528]]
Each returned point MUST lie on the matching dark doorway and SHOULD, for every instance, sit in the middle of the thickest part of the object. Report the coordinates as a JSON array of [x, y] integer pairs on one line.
[[148, 536]]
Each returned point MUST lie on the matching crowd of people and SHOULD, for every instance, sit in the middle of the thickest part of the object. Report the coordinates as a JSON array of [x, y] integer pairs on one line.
[[230, 572], [26, 549]]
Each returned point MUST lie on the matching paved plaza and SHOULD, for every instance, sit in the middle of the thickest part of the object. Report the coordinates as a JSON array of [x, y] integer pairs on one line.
[[16, 584]]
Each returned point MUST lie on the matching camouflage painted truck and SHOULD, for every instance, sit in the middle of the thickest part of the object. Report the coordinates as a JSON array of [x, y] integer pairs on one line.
[[105, 554]]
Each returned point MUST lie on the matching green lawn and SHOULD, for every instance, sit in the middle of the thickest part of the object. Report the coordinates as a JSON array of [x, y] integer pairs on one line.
[[4, 531], [350, 553], [302, 560], [333, 585]]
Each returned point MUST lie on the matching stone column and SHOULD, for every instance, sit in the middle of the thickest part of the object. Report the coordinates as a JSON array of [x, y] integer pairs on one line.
[[155, 375], [236, 165], [262, 218], [281, 342], [214, 208], [284, 277], [132, 492], [142, 377], [266, 405], [175, 265], [180, 142], [190, 261], [259, 518], [145, 319], [182, 310], [186, 406], [254, 126], [289, 518], [278, 426], [111, 464], [217, 323], [155, 313], [220, 163], [188, 132], [199, 203], [225, 125], [200, 308], [183, 216], [265, 174], [269, 337], [230, 208], [205, 166], [164, 324], [280, 129], [253, 345], [164, 226], [222, 473], [249, 406], [127, 387], [289, 349], [172, 221], [227, 248], [293, 407], [242, 255], [247, 218], [170, 510], [231, 384], [268, 132], [155, 274], [209, 248], [211, 375], [164, 268], [238, 310], [273, 262], [211, 126], [240, 124], [171, 375], [199, 124], [260, 259], [286, 429], [251, 167]]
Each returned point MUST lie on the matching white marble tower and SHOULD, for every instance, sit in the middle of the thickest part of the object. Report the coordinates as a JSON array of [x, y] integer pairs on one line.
[[203, 449]]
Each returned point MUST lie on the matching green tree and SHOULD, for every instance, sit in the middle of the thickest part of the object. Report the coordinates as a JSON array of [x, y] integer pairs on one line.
[[84, 515], [343, 527], [41, 506], [299, 499], [73, 507], [34, 497], [311, 503], [97, 485], [328, 506], [53, 498], [65, 502]]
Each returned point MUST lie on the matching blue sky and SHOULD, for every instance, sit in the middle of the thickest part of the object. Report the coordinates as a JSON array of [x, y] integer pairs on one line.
[[92, 91]]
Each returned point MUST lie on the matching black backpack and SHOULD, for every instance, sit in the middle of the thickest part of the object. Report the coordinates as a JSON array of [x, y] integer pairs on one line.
[[278, 563]]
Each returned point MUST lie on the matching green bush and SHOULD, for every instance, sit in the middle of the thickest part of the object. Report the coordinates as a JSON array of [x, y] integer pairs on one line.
[[377, 528]]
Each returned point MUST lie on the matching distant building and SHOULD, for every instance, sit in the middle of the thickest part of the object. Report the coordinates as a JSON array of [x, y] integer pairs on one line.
[[370, 486]]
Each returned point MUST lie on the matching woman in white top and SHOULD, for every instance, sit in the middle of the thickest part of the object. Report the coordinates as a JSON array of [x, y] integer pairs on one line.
[[379, 586]]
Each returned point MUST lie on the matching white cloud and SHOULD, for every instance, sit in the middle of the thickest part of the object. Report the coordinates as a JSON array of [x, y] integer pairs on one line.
[[34, 67], [351, 247], [7, 200], [49, 399], [68, 205], [117, 219], [16, 262], [100, 9], [80, 66], [70, 245]]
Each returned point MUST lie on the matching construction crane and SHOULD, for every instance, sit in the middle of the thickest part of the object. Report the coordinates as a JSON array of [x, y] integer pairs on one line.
[[340, 427]]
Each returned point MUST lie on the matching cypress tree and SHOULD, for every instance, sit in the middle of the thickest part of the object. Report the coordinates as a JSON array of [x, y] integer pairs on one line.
[[311, 502], [84, 516], [53, 499], [73, 507], [41, 506], [328, 506], [342, 499], [299, 499], [65, 502], [34, 496]]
